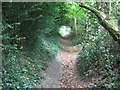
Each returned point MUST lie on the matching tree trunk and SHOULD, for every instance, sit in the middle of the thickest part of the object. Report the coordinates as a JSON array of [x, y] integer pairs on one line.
[[75, 21], [110, 7], [105, 21]]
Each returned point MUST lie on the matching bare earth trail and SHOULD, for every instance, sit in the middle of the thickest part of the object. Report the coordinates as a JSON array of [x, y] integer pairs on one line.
[[62, 72]]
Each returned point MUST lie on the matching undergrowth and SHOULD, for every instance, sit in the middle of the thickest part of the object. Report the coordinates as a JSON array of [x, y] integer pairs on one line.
[[99, 57], [29, 43], [21, 69]]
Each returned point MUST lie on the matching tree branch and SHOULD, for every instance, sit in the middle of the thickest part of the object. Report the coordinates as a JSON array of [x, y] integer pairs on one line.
[[105, 21]]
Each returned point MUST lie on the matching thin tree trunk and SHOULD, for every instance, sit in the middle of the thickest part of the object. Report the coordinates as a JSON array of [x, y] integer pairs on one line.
[[105, 21], [75, 27], [110, 8], [99, 5]]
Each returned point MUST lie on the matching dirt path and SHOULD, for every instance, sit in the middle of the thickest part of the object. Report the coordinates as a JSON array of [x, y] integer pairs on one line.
[[61, 72], [68, 59]]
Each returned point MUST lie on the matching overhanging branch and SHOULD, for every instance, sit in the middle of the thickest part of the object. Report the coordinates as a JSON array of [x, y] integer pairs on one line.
[[105, 21]]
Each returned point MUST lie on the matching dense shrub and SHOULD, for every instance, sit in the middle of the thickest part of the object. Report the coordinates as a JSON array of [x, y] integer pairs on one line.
[[99, 56], [28, 43]]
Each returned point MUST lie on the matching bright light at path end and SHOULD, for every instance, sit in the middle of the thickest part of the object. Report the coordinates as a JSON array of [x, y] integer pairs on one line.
[[65, 31]]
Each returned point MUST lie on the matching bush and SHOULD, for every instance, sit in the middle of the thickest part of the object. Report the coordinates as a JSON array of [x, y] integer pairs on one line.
[[100, 55], [28, 43]]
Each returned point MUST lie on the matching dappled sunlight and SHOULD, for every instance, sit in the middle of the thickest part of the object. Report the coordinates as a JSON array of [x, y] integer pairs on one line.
[[61, 44]]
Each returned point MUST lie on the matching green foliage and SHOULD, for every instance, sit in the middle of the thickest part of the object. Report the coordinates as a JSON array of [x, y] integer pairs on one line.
[[99, 54], [28, 42]]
